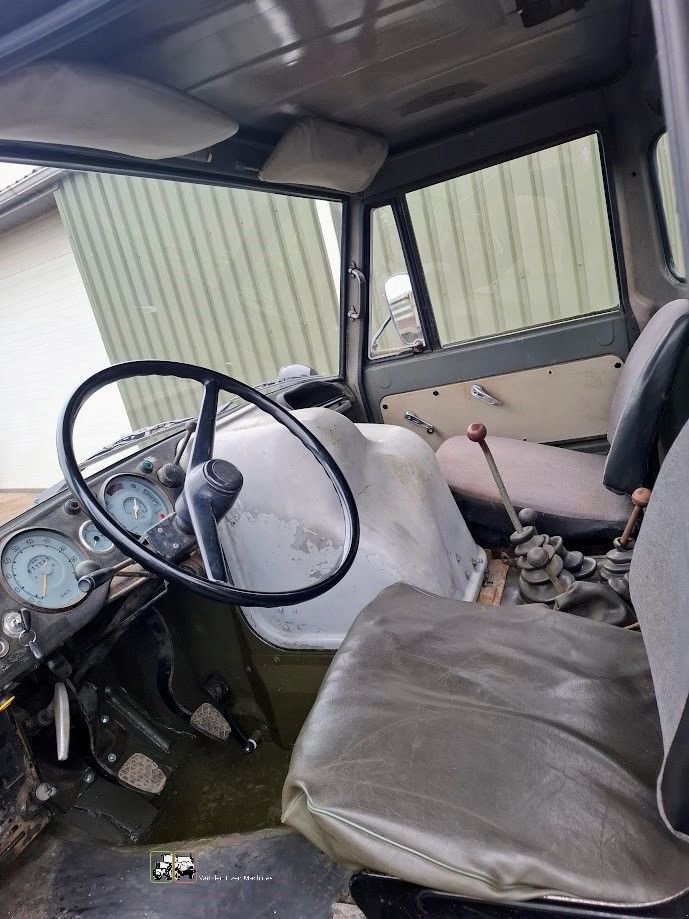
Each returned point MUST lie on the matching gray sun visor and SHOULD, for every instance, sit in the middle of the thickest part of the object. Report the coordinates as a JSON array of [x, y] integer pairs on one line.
[[82, 106], [323, 154]]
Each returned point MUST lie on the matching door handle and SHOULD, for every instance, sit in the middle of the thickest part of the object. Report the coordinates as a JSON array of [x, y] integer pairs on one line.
[[478, 392], [413, 418]]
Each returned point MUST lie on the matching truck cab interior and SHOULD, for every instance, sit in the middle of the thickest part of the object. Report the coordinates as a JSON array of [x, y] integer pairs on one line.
[[344, 566]]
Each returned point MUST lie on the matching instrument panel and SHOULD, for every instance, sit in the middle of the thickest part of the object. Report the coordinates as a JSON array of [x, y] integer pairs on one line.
[[39, 566], [41, 549], [134, 502]]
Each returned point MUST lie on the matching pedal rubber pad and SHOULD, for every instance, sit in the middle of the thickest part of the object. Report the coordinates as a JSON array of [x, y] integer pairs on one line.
[[141, 773], [208, 720]]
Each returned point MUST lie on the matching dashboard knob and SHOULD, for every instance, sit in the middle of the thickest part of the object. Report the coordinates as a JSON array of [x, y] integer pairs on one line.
[[171, 475]]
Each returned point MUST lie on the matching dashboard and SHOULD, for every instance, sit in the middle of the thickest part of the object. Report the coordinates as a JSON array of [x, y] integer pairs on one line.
[[45, 550]]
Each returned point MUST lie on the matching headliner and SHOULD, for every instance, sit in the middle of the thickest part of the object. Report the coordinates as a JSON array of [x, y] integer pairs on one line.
[[409, 69]]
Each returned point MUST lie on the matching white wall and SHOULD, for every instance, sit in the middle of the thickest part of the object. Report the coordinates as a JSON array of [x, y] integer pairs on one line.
[[49, 342]]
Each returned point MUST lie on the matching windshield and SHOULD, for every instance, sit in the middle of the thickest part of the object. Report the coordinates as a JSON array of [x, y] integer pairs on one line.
[[96, 269]]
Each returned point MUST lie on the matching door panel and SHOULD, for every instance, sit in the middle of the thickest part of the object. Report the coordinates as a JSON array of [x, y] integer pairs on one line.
[[564, 402], [511, 273]]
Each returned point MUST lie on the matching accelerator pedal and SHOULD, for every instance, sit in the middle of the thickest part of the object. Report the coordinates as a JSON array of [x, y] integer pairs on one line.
[[141, 773], [208, 720]]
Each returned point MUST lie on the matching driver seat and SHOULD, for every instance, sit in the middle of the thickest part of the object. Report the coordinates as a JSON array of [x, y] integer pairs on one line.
[[579, 496], [507, 753]]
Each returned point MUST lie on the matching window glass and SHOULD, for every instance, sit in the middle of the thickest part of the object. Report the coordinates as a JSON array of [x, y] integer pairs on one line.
[[110, 268], [517, 245], [393, 318], [668, 203]]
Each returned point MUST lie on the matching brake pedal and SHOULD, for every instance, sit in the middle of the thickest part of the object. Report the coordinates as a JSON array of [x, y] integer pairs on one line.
[[141, 773], [208, 720]]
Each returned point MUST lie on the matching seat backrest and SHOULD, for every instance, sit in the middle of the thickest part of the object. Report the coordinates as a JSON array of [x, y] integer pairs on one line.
[[659, 581], [644, 386]]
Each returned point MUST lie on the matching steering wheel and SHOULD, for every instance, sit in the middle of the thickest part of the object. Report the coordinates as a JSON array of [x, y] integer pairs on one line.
[[210, 486]]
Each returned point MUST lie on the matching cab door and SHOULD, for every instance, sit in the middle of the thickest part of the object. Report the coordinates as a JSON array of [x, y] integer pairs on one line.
[[494, 296]]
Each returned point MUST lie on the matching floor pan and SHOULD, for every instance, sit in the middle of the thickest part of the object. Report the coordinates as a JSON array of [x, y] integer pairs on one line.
[[269, 873]]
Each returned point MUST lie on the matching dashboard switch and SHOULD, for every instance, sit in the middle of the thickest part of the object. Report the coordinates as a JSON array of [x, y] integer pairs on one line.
[[12, 624], [171, 475]]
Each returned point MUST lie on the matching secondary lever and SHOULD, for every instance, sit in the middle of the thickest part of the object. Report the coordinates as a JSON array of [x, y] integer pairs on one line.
[[90, 575]]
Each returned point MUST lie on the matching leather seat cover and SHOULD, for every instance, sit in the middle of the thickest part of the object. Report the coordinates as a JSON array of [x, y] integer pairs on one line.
[[570, 489], [502, 753], [644, 387], [565, 487]]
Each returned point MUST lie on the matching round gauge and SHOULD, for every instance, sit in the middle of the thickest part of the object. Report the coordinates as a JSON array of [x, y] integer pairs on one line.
[[39, 567], [134, 503], [93, 539]]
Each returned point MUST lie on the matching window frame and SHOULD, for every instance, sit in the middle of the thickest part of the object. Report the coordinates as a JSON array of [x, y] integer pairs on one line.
[[222, 170], [422, 295], [660, 211]]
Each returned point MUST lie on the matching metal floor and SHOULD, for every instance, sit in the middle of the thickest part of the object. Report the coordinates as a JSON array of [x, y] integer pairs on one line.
[[269, 874]]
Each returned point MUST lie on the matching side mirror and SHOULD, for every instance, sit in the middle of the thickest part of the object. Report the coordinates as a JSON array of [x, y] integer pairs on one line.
[[403, 312]]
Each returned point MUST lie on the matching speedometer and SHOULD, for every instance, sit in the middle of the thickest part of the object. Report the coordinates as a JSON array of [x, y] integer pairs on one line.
[[39, 567], [134, 503]]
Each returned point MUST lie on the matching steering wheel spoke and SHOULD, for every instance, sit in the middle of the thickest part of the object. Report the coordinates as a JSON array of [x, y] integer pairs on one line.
[[208, 539], [204, 438]]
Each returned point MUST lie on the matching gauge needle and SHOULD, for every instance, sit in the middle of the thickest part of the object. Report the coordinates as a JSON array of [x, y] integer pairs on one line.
[[136, 509], [45, 585]]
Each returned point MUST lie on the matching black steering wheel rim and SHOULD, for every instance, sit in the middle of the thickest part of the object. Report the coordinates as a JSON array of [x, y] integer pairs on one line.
[[212, 381]]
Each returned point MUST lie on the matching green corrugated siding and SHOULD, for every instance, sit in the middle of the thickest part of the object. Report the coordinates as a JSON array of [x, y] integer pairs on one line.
[[518, 244], [226, 278]]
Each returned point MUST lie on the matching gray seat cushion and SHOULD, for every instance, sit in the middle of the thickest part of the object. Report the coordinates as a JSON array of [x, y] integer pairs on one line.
[[502, 753], [565, 487]]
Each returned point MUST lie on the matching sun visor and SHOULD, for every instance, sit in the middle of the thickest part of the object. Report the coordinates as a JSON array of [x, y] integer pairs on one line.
[[79, 106], [325, 155]]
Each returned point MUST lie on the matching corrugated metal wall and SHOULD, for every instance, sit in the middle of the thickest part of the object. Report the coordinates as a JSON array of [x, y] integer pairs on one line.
[[518, 244], [240, 281]]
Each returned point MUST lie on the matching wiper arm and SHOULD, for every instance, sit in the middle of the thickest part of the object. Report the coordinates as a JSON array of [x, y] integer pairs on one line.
[[133, 438], [150, 430]]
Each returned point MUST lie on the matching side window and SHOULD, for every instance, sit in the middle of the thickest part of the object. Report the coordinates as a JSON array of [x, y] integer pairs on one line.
[[668, 207], [521, 244], [393, 319]]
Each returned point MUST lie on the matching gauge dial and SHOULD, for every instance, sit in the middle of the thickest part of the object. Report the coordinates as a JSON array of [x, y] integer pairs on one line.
[[39, 567], [93, 539], [134, 503]]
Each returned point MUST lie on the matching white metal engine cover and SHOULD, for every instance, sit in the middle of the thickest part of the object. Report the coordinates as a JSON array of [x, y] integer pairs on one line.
[[286, 528]]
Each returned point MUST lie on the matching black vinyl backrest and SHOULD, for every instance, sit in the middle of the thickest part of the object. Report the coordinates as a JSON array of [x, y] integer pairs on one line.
[[659, 581], [644, 386]]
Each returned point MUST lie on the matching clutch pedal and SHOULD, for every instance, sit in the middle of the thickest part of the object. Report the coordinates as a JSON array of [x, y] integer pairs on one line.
[[208, 720], [141, 773]]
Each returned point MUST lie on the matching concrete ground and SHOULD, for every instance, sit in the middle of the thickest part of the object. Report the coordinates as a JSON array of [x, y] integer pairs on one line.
[[13, 503]]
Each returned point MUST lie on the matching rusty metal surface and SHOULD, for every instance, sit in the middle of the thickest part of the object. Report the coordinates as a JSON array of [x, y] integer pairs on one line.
[[493, 583], [21, 817]]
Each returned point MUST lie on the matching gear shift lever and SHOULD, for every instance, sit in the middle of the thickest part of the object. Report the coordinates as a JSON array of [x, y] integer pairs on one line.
[[541, 575], [477, 433], [547, 568]]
